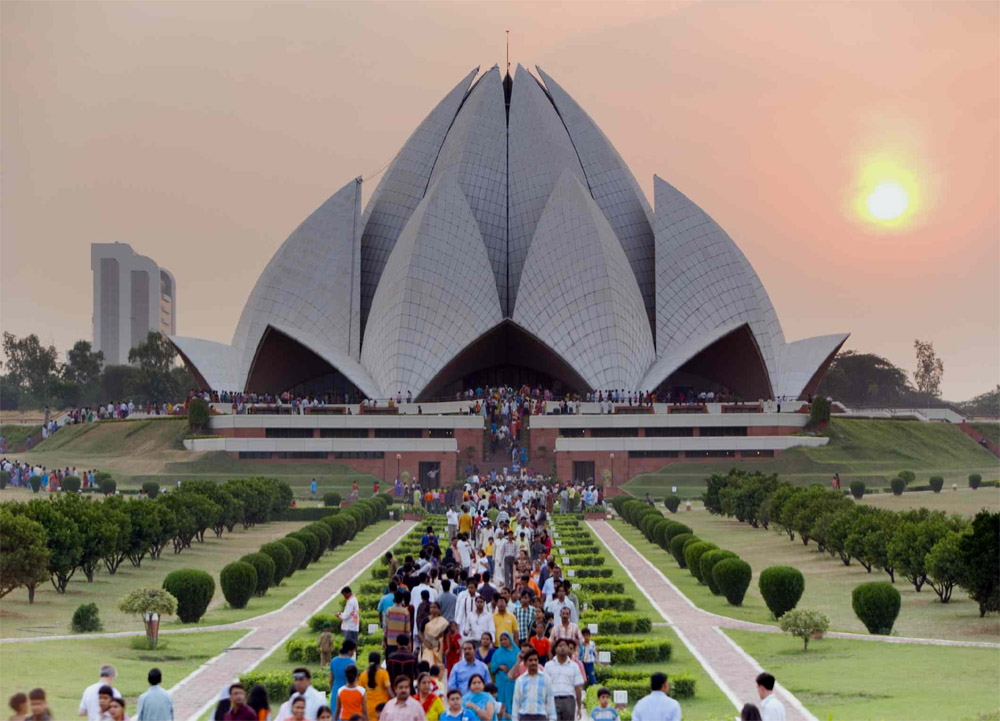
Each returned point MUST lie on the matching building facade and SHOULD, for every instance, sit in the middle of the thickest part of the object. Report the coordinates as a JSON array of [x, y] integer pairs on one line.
[[132, 296]]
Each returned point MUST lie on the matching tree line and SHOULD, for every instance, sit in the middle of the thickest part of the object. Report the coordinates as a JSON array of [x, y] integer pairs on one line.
[[34, 377], [922, 546], [51, 539]]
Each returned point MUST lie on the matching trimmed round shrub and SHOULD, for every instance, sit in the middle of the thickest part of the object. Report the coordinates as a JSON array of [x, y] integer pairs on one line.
[[674, 529], [311, 542], [877, 605], [298, 550], [282, 558], [781, 587], [332, 500], [107, 486], [36, 483], [908, 477], [338, 525], [71, 484], [936, 483], [858, 489], [672, 502], [198, 415], [151, 489], [975, 480], [239, 582], [193, 589], [897, 485], [86, 618], [323, 533], [677, 547], [351, 523], [707, 563], [647, 524], [264, 567], [658, 528], [732, 576], [692, 556]]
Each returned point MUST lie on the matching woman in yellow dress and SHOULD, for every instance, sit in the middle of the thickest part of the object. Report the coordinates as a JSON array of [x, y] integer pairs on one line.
[[431, 703], [375, 681]]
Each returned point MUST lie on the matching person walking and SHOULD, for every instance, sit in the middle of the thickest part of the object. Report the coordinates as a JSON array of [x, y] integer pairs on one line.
[[155, 704], [350, 617], [566, 679], [533, 700], [657, 705], [465, 669], [238, 708], [404, 707], [770, 707], [338, 668], [89, 703]]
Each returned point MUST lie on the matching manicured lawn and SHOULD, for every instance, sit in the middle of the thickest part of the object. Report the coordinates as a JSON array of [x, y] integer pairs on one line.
[[860, 680], [964, 501], [65, 668], [829, 582], [872, 451]]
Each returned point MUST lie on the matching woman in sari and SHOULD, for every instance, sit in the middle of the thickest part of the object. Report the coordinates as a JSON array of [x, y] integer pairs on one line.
[[479, 704], [431, 703], [452, 647], [435, 639], [505, 658], [484, 651]]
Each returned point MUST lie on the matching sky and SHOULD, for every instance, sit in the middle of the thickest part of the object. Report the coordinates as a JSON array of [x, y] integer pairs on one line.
[[203, 133]]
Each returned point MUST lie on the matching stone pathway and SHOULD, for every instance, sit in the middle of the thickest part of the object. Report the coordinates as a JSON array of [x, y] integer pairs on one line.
[[732, 669], [195, 694]]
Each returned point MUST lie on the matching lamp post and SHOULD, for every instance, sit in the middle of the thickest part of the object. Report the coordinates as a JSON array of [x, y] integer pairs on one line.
[[612, 469], [398, 456]]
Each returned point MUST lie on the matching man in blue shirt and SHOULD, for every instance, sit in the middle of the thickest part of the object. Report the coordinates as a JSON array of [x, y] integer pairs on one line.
[[155, 704], [657, 706], [465, 669], [386, 602]]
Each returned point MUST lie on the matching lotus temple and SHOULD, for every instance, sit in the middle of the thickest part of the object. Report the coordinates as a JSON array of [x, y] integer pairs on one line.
[[507, 243]]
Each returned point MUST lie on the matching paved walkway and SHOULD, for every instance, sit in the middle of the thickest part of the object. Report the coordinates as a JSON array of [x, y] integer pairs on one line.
[[193, 695], [732, 669]]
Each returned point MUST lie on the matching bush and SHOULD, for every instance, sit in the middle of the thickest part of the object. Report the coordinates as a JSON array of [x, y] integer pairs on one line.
[[819, 411], [4, 479], [239, 582], [612, 602], [332, 500], [151, 489], [618, 622], [707, 565], [339, 527], [323, 533], [936, 483], [673, 528], [781, 587], [877, 605], [298, 550], [311, 541], [858, 489], [36, 483], [897, 485], [804, 624], [193, 589], [732, 576], [198, 414], [975, 480], [107, 485], [277, 683], [302, 651], [71, 484], [692, 557], [264, 567], [282, 558], [908, 477], [86, 618], [677, 547], [672, 502]]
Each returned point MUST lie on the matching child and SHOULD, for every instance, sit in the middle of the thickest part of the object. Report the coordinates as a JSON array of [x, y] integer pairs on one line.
[[604, 711], [588, 654], [454, 712], [350, 697], [540, 642]]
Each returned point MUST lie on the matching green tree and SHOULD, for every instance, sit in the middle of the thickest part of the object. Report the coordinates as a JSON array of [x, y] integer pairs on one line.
[[24, 556], [63, 538], [115, 510], [869, 537], [30, 365], [99, 529], [83, 365], [864, 379], [909, 546], [944, 565], [149, 604], [981, 561], [230, 507], [154, 357], [929, 370], [804, 624]]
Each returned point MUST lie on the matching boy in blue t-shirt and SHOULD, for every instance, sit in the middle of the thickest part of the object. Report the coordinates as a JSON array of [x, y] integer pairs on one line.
[[604, 711], [454, 712]]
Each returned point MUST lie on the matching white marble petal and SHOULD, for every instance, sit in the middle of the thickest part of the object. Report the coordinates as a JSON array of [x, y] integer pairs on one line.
[[799, 361], [217, 364]]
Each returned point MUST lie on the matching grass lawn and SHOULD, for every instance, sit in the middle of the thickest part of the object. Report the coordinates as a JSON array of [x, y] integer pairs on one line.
[[44, 664], [15, 433], [141, 450], [860, 680], [871, 451], [964, 501], [829, 582]]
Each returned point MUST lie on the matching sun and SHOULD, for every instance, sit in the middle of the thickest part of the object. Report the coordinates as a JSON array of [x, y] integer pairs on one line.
[[887, 201]]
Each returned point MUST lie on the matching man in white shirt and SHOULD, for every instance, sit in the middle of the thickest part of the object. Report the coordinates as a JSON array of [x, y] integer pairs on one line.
[[564, 675], [464, 553], [90, 706], [465, 604], [350, 617], [657, 706], [479, 622], [770, 707], [302, 683], [422, 586], [452, 515]]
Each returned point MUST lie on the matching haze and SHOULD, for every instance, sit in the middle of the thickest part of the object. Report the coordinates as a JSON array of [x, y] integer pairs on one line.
[[203, 133]]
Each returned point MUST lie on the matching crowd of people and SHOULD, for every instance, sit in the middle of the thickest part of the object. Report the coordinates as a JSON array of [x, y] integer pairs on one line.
[[19, 472]]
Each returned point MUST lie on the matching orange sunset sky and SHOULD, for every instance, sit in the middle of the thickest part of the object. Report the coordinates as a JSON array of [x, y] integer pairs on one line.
[[203, 133]]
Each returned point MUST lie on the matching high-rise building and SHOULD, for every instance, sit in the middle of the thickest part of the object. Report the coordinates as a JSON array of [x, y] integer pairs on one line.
[[132, 296]]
